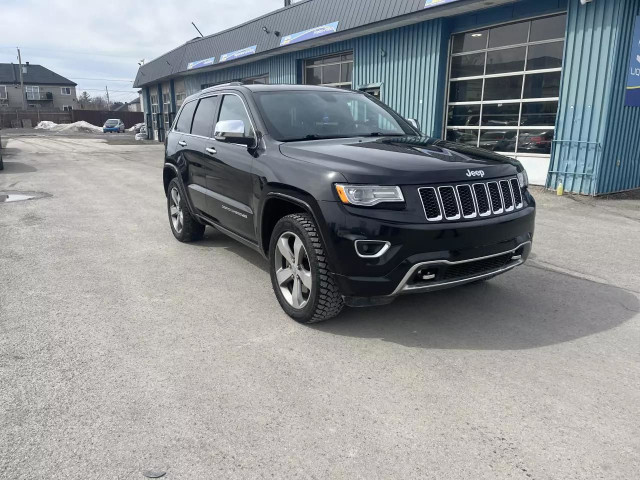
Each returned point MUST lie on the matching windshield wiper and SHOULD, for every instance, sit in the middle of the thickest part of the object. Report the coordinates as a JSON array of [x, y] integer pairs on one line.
[[314, 136], [382, 134]]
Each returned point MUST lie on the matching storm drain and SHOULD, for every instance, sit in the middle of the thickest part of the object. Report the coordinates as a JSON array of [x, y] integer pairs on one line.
[[13, 196]]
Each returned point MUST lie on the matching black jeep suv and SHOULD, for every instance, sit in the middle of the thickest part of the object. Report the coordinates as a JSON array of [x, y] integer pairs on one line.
[[345, 199]]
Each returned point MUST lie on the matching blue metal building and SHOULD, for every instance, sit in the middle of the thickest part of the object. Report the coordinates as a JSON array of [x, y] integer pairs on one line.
[[544, 81]]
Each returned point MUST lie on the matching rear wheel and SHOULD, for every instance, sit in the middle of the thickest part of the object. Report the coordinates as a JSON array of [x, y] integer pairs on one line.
[[183, 225], [299, 271]]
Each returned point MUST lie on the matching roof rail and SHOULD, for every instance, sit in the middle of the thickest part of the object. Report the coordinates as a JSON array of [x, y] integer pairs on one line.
[[228, 84]]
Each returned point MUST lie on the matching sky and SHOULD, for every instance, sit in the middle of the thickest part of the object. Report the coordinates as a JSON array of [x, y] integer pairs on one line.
[[97, 43]]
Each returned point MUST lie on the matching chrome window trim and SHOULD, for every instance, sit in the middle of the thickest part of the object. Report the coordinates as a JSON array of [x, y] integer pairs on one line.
[[244, 104], [194, 114]]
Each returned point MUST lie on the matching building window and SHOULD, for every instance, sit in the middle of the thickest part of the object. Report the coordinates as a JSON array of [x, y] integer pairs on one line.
[[154, 111], [331, 71], [65, 90], [259, 80], [166, 110], [33, 93], [3, 92], [67, 108], [504, 84], [180, 98]]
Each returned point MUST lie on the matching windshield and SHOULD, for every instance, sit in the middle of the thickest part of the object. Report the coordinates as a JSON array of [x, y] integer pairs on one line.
[[112, 123], [315, 114]]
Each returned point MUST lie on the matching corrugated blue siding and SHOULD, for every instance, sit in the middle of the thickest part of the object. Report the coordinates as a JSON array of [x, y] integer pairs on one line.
[[406, 61], [409, 64], [620, 167], [591, 117], [507, 13]]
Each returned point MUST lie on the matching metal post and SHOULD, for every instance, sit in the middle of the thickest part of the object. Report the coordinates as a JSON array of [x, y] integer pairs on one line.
[[24, 96], [108, 102]]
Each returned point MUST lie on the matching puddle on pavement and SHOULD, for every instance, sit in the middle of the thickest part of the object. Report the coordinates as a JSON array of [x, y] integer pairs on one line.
[[8, 197]]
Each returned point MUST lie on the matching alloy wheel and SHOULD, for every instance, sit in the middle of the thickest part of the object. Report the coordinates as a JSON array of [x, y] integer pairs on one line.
[[175, 210], [293, 270]]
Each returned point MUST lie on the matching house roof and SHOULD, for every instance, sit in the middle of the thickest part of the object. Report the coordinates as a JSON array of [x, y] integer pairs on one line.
[[36, 75], [354, 17], [126, 104]]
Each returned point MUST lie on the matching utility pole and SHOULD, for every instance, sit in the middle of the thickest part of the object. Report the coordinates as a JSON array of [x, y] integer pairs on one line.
[[108, 102], [24, 97]]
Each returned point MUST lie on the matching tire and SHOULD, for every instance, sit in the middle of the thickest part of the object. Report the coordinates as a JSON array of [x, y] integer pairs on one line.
[[183, 225], [323, 300]]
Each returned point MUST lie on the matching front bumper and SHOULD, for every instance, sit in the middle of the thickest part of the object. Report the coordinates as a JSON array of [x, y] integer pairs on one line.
[[448, 252], [105, 130]]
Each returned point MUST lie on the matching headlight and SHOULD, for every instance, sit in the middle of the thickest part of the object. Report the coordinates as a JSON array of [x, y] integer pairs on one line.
[[368, 195], [523, 179]]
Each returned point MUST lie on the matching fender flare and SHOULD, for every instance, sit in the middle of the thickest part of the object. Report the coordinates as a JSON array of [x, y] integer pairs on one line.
[[306, 206], [183, 190]]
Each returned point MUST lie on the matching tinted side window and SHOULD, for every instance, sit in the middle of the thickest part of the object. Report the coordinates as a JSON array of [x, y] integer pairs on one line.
[[184, 121], [233, 109], [203, 119]]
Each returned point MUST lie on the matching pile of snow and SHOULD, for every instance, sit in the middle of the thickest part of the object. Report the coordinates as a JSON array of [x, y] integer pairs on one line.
[[135, 128], [76, 127], [46, 125]]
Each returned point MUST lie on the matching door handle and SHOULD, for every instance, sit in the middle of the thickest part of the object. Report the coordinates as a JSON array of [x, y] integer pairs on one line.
[[211, 150], [182, 143]]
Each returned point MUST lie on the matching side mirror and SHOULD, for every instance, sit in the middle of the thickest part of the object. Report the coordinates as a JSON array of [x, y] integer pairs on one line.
[[232, 131], [414, 123]]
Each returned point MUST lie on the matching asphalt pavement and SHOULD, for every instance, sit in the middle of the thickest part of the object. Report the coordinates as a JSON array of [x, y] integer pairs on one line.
[[123, 350]]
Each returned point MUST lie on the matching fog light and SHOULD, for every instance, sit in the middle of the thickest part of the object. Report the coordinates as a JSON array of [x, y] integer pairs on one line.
[[371, 248], [424, 275]]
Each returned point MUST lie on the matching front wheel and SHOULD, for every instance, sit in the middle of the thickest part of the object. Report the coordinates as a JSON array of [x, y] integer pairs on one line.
[[299, 271]]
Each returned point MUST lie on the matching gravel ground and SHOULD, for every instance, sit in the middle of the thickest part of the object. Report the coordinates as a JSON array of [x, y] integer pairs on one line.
[[123, 350]]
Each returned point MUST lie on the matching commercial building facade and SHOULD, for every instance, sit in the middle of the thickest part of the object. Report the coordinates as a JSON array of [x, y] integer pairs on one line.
[[544, 81]]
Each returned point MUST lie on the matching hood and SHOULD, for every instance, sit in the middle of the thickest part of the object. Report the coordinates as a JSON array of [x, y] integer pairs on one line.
[[402, 160]]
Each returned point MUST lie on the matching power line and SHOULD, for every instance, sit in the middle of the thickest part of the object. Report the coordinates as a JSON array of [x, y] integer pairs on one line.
[[105, 79], [102, 90], [77, 52]]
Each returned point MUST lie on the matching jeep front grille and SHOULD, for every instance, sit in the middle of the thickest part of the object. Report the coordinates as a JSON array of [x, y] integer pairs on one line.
[[468, 201]]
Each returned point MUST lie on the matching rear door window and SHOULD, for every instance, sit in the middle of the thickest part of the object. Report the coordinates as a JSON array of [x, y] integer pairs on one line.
[[203, 119], [183, 124]]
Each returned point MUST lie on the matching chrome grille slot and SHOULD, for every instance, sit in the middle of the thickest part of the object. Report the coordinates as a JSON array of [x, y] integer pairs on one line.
[[467, 205], [430, 204], [469, 201], [517, 194], [495, 197], [507, 199], [482, 199], [449, 203]]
